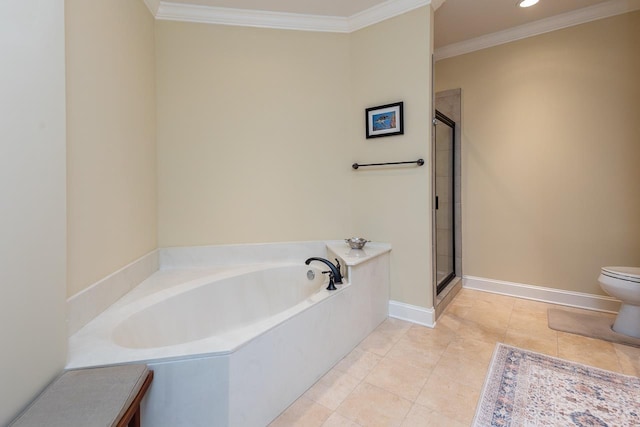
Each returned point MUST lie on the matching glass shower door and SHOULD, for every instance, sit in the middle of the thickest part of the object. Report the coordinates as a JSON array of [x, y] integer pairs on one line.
[[444, 129]]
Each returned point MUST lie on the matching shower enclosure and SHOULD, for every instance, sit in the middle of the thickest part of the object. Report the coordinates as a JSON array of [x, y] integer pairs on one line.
[[444, 130]]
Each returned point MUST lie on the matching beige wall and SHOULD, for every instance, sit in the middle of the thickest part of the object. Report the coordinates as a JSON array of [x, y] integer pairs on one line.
[[551, 148], [257, 130], [391, 61], [111, 137], [253, 139], [32, 184]]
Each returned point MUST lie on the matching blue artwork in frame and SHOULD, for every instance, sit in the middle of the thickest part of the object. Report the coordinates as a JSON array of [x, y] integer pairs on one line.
[[384, 120]]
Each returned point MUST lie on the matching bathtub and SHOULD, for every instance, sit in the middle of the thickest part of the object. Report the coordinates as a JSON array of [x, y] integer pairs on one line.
[[234, 340]]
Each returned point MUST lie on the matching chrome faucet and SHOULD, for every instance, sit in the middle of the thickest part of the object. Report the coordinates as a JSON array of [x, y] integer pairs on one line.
[[335, 269]]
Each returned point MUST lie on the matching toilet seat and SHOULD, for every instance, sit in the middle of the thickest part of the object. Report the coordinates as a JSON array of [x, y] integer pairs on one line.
[[628, 274]]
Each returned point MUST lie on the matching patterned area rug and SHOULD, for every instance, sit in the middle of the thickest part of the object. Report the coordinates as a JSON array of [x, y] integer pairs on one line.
[[524, 388]]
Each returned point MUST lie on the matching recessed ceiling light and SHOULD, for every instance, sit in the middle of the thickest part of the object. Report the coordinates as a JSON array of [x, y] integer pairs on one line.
[[527, 3]]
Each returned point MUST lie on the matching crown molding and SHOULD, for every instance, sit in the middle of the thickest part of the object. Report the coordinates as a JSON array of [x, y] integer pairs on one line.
[[153, 6], [279, 20], [250, 18], [383, 11], [436, 4], [558, 22]]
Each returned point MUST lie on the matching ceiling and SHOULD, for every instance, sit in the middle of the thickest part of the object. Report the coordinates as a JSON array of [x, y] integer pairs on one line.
[[459, 20], [455, 20]]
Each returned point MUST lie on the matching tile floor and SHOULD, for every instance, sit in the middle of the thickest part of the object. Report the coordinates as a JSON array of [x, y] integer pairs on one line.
[[409, 375]]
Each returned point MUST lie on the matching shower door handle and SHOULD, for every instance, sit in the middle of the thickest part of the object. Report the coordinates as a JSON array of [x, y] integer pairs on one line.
[[436, 202]]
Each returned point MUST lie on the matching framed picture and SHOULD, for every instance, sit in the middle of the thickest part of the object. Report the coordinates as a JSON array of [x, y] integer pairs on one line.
[[385, 120]]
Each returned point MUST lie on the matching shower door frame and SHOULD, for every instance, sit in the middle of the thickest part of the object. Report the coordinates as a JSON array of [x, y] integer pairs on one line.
[[449, 278]]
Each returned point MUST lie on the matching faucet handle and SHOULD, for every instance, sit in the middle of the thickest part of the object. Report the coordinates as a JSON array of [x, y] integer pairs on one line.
[[332, 285], [338, 266]]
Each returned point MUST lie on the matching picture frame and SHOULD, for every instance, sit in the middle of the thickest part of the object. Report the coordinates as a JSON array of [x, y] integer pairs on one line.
[[384, 120]]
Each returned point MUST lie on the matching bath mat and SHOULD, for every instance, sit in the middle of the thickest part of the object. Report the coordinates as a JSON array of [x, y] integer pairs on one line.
[[588, 325], [524, 388]]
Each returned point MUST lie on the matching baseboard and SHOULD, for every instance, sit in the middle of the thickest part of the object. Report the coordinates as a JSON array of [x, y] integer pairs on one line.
[[412, 313], [539, 293]]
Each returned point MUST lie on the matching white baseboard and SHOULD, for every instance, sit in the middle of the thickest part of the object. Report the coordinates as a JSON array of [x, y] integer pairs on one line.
[[539, 293], [412, 313]]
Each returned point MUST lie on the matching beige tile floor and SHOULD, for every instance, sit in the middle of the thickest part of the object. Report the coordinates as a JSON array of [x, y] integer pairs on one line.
[[409, 375]]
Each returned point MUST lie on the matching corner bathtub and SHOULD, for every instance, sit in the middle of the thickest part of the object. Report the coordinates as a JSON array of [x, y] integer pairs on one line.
[[235, 345]]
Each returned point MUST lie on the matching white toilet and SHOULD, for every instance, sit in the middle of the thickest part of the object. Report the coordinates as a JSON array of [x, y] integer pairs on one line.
[[623, 283]]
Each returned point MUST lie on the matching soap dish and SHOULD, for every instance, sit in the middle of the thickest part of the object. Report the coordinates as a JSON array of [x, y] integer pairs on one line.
[[356, 242]]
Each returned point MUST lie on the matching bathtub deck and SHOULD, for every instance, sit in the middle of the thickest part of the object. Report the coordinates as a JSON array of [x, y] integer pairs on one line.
[[248, 375]]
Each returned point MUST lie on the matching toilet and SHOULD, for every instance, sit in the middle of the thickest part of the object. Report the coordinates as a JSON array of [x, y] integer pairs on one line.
[[623, 283]]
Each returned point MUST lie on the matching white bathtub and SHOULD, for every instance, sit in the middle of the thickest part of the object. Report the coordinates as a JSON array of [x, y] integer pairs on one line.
[[218, 312], [235, 345]]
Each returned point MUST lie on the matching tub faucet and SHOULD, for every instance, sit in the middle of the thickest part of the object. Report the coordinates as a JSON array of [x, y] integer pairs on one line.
[[335, 269]]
